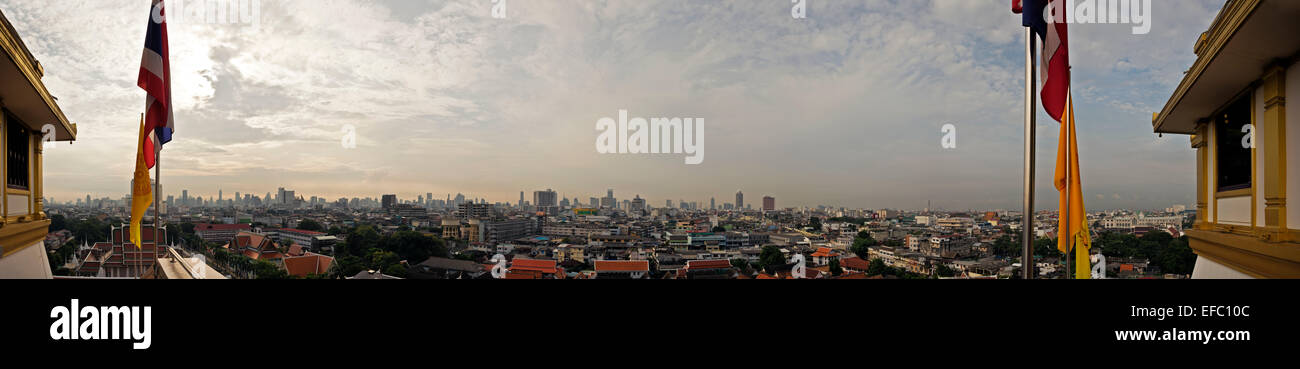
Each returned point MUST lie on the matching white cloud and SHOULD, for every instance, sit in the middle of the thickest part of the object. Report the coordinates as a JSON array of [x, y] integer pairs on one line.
[[842, 108]]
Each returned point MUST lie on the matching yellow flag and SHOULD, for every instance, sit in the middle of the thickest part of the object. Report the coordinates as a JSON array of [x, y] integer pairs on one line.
[[141, 189], [1073, 221]]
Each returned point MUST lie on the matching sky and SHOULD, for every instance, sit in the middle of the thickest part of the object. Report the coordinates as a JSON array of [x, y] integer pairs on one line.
[[843, 108]]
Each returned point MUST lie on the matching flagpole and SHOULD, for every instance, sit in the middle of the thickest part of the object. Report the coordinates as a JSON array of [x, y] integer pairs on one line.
[[157, 211], [1027, 220], [139, 261]]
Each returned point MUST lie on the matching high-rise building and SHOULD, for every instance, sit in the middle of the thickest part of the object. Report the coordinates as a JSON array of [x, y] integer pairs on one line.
[[609, 201], [740, 200], [769, 203], [544, 198], [713, 203], [467, 210], [545, 201], [638, 204], [389, 201]]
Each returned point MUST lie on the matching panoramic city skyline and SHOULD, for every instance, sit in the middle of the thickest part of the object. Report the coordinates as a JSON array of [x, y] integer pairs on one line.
[[444, 98]]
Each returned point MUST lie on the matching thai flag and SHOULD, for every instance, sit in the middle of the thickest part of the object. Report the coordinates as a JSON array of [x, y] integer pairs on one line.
[[1056, 52], [155, 79]]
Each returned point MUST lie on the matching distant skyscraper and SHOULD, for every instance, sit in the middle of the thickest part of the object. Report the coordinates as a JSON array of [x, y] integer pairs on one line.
[[638, 204], [769, 203], [545, 201], [389, 201], [713, 203], [609, 201], [740, 200]]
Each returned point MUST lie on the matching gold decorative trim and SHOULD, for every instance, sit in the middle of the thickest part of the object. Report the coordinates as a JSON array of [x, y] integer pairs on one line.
[[1271, 130], [1245, 192], [1249, 255], [1207, 48], [12, 45], [15, 237]]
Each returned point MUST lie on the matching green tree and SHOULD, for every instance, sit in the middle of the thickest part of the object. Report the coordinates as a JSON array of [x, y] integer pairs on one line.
[[836, 270], [944, 271], [268, 270], [861, 246], [58, 223], [311, 225], [741, 264], [413, 246], [877, 267], [771, 258], [1006, 247], [1177, 257]]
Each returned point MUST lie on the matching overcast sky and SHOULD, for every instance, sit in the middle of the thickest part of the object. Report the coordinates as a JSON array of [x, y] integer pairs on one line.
[[844, 108]]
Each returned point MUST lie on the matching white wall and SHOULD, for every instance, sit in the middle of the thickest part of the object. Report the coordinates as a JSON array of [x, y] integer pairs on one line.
[[29, 263], [1208, 269], [1235, 211]]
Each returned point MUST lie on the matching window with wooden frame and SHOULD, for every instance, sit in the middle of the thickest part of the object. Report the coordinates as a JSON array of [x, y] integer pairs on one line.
[[17, 153], [1232, 149]]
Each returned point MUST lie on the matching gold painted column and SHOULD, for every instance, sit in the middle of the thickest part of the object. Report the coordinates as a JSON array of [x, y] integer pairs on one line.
[[1202, 194], [1272, 137], [37, 181]]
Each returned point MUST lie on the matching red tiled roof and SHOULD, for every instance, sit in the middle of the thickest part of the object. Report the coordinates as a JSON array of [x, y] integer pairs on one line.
[[309, 264], [295, 250], [533, 266], [302, 232], [524, 274], [547, 266], [824, 252], [622, 266], [855, 263], [222, 227], [708, 264]]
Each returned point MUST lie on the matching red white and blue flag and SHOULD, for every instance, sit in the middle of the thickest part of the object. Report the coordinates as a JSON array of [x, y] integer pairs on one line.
[[155, 79], [1055, 68]]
